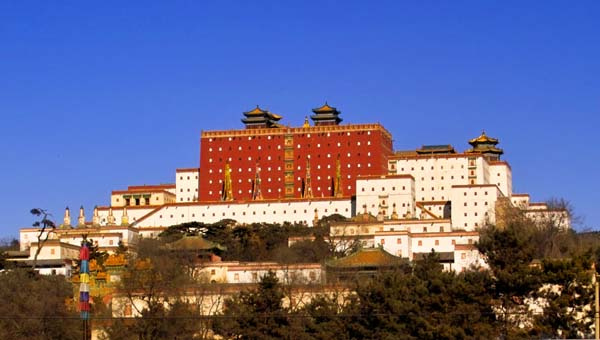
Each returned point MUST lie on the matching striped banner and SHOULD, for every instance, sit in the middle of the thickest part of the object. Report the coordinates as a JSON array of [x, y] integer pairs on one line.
[[84, 279]]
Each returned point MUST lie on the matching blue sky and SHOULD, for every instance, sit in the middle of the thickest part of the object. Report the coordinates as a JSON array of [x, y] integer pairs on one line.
[[95, 97]]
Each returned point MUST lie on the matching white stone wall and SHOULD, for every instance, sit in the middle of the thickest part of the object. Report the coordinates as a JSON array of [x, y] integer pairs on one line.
[[64, 270], [441, 242], [133, 213], [520, 200], [473, 205], [249, 212], [465, 257], [252, 272], [29, 235], [394, 242], [558, 218], [435, 176], [501, 175], [388, 192], [186, 185]]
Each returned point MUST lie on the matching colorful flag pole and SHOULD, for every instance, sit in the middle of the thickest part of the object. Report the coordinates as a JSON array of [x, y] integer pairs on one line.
[[84, 286]]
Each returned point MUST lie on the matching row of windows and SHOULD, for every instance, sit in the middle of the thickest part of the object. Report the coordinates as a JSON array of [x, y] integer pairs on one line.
[[188, 190], [278, 190], [308, 135], [433, 198], [210, 181], [136, 201], [475, 214], [432, 188], [475, 193], [298, 146], [349, 165], [382, 188], [433, 168], [383, 203], [188, 177], [420, 242], [442, 178], [475, 203], [348, 155]]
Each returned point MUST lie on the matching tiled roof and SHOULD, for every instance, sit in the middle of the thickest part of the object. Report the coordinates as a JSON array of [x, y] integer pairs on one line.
[[367, 257]]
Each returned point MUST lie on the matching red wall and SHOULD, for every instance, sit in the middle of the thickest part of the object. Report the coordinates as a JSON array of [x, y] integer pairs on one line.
[[324, 145]]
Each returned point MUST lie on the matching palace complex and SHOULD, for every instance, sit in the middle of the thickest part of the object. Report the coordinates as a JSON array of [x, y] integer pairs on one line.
[[408, 202]]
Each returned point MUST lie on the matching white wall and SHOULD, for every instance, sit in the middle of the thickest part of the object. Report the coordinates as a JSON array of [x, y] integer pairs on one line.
[[386, 191], [434, 176], [248, 212], [472, 205], [134, 213], [501, 175], [186, 185]]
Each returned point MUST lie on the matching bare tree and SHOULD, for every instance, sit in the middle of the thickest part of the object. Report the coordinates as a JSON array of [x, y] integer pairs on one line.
[[46, 227]]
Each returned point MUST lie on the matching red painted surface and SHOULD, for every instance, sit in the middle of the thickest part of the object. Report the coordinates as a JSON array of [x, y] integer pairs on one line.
[[244, 149]]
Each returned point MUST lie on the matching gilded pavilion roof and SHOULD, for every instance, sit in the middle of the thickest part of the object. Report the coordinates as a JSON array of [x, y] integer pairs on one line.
[[325, 108], [484, 145], [257, 111], [483, 139]]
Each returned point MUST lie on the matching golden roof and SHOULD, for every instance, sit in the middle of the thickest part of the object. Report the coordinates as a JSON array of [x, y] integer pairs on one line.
[[367, 257], [483, 138], [325, 108], [256, 111]]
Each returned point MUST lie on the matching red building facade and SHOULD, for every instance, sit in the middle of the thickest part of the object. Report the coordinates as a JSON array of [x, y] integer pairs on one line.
[[280, 155]]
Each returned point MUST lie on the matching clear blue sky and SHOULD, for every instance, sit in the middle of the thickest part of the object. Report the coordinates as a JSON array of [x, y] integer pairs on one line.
[[97, 97]]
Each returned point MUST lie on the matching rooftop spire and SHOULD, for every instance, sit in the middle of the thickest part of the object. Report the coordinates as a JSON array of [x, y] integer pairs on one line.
[[67, 218], [96, 217], [110, 219], [81, 218], [124, 217], [306, 123]]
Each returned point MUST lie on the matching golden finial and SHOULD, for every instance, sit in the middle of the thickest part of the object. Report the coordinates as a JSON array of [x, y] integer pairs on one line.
[[337, 183], [227, 186], [306, 123], [124, 217]]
